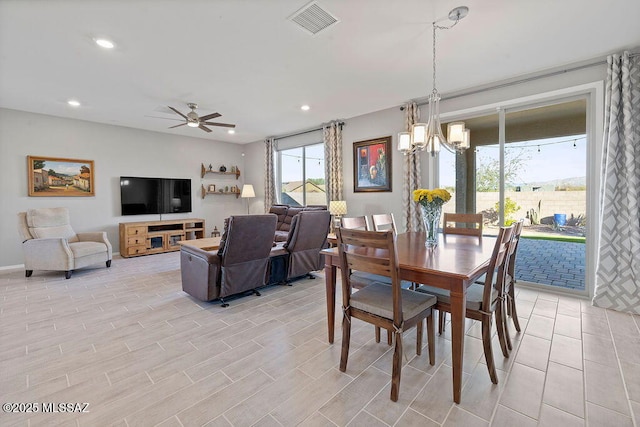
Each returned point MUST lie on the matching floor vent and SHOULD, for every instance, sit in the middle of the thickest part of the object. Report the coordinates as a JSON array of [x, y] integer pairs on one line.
[[313, 18]]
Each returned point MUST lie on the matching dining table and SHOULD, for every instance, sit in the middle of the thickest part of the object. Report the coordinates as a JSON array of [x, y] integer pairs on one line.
[[453, 264]]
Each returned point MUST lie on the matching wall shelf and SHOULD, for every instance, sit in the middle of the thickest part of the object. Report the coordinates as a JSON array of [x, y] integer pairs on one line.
[[218, 193], [204, 171]]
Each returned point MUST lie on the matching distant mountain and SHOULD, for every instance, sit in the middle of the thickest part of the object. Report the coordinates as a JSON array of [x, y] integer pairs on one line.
[[579, 181]]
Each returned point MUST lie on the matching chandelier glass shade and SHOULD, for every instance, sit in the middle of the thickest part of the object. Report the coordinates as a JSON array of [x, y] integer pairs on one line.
[[428, 136]]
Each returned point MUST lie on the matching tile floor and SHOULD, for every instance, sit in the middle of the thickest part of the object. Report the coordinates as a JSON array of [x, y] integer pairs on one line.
[[130, 343]]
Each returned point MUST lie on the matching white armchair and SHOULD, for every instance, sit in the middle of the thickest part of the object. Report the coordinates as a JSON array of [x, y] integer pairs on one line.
[[49, 242]]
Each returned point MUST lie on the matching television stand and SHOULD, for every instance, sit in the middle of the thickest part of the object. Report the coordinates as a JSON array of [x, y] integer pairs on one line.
[[154, 237]]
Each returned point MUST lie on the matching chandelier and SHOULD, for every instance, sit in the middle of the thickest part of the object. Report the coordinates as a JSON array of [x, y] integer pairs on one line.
[[428, 136]]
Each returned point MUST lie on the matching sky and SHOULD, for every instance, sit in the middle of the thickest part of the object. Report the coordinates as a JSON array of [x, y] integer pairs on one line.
[[292, 163], [557, 159], [64, 168]]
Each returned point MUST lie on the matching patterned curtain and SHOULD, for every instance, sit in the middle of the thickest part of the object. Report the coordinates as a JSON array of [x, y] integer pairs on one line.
[[270, 196], [332, 135], [618, 270], [412, 176]]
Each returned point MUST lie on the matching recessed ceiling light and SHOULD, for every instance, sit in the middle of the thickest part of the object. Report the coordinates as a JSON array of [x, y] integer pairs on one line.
[[73, 103], [305, 108], [107, 44], [231, 131]]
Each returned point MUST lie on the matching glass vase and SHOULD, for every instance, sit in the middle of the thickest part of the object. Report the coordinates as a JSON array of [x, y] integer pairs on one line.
[[431, 213]]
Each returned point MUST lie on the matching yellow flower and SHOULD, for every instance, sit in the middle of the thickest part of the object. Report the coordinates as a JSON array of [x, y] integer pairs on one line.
[[438, 196]]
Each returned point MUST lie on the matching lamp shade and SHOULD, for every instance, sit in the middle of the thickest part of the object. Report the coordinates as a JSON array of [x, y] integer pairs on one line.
[[404, 141], [467, 138], [419, 135], [338, 207], [455, 132], [247, 191]]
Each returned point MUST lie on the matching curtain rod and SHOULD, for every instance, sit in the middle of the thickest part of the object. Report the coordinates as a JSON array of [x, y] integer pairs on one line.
[[302, 132], [516, 82]]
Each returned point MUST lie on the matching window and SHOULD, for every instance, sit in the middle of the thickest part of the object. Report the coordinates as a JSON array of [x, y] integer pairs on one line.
[[301, 173]]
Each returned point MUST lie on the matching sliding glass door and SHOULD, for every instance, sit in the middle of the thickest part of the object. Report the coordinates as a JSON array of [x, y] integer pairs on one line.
[[529, 164]]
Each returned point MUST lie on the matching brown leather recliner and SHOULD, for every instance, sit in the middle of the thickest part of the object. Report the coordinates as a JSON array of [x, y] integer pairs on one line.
[[240, 265], [307, 236]]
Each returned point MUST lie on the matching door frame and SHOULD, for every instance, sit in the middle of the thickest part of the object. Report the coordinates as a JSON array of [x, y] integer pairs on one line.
[[593, 93]]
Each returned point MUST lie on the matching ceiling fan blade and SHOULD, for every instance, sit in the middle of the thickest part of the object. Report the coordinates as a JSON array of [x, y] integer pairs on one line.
[[226, 125], [165, 118], [177, 111], [209, 116], [204, 128], [181, 124]]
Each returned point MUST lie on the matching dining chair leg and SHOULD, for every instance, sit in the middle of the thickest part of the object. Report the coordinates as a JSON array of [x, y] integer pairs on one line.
[[507, 334], [397, 368], [377, 333], [389, 338], [501, 329], [346, 336], [505, 324], [431, 336], [488, 353], [511, 300], [442, 318], [419, 333]]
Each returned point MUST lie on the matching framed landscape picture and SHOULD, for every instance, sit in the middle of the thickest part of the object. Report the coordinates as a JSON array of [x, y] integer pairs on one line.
[[60, 177], [372, 165]]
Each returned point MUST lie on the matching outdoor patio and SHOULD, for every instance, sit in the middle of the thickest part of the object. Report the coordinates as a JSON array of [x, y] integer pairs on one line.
[[551, 262]]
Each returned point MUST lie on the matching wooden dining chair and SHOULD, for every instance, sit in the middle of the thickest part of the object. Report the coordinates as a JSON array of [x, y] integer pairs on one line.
[[355, 223], [390, 307], [383, 222], [510, 282], [462, 224], [361, 278], [485, 301]]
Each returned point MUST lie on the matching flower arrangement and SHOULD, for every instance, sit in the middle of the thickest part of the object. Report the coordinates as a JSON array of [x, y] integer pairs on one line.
[[437, 196]]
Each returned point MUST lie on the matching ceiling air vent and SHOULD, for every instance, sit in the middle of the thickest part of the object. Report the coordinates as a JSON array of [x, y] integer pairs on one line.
[[313, 18]]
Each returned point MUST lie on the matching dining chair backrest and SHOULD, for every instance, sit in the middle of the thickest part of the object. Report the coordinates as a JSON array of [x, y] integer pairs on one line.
[[513, 248], [382, 222], [493, 289], [372, 252], [462, 224], [355, 223]]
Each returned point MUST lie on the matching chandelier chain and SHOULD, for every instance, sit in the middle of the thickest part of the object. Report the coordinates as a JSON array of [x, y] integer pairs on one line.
[[439, 27], [434, 58]]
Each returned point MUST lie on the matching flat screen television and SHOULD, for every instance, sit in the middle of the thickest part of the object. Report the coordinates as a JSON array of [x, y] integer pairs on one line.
[[144, 196]]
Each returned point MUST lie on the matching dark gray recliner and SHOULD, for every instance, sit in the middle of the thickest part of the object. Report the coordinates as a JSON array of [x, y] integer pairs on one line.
[[307, 237], [240, 265]]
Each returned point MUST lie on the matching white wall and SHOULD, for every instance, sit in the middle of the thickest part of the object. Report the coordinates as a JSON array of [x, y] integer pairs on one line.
[[116, 151]]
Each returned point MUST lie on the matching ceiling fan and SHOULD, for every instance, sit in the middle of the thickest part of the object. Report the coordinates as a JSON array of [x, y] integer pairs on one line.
[[192, 119]]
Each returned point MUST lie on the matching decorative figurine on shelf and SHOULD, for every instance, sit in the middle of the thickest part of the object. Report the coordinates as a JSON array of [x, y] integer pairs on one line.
[[210, 167], [215, 232], [226, 189], [223, 168], [233, 169]]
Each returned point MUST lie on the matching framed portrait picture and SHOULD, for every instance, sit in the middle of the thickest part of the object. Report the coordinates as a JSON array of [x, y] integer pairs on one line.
[[60, 177], [372, 165]]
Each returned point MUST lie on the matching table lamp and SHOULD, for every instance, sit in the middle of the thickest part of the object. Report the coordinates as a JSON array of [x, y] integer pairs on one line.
[[337, 208], [247, 192]]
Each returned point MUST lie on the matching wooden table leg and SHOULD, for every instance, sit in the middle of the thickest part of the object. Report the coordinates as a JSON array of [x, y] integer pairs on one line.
[[458, 309], [330, 284]]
